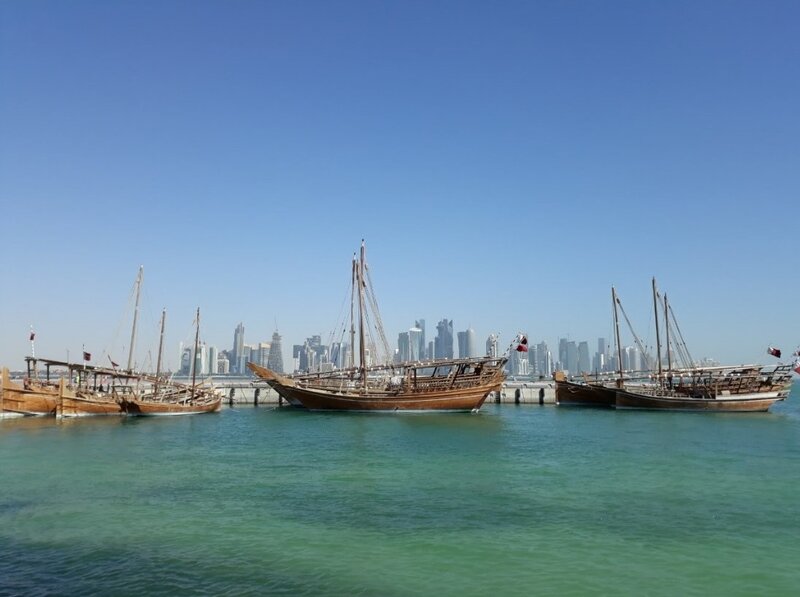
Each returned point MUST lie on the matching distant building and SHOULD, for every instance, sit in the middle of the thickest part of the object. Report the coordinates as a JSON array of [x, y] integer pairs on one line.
[[402, 347], [244, 355], [443, 343], [467, 345], [416, 343], [491, 345], [275, 360], [544, 360], [238, 348], [262, 354], [584, 365], [337, 355], [422, 350], [186, 361], [200, 361], [462, 345], [212, 360], [518, 364]]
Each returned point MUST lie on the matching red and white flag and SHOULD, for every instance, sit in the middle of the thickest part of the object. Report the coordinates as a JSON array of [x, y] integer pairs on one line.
[[522, 346], [776, 352], [797, 365]]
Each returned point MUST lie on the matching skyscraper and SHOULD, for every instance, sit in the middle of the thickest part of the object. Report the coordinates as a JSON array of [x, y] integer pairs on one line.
[[403, 347], [467, 346], [491, 345], [583, 358], [420, 324], [416, 343], [275, 359], [238, 348], [462, 345], [572, 357], [443, 344], [212, 360], [544, 364], [562, 353], [518, 364]]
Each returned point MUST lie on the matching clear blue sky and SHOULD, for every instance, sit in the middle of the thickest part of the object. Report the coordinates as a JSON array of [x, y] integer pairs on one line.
[[507, 162]]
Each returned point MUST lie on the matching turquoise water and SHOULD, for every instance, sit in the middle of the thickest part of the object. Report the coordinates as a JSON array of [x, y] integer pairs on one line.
[[517, 500]]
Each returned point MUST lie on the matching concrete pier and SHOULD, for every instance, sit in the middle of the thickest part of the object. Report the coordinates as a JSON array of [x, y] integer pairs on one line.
[[242, 390], [530, 392]]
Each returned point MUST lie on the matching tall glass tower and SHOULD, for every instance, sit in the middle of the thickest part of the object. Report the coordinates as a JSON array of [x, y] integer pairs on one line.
[[275, 359], [238, 348]]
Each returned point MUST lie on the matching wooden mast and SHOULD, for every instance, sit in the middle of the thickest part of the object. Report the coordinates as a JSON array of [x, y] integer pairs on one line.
[[666, 331], [135, 317], [352, 317], [658, 337], [614, 300], [362, 349], [194, 354], [160, 350]]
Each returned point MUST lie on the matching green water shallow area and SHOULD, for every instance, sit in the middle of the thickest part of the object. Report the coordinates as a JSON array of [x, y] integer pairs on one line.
[[516, 500]]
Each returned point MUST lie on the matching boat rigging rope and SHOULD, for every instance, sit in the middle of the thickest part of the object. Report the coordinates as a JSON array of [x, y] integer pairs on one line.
[[341, 319], [645, 356], [374, 305], [683, 350]]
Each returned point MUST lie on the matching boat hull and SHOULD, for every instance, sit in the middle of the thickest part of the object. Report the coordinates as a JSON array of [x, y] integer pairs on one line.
[[146, 408], [37, 400], [464, 388], [574, 394], [88, 406], [758, 402], [456, 400]]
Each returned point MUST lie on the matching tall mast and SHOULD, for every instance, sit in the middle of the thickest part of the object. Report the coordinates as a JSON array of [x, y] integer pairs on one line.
[[658, 337], [160, 349], [614, 300], [352, 317], [194, 355], [135, 317], [362, 349], [666, 331]]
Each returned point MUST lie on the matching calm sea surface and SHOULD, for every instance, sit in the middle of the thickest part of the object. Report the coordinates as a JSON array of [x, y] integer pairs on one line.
[[517, 500]]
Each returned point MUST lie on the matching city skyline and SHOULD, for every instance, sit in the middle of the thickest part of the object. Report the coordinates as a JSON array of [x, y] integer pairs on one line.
[[571, 356], [506, 169]]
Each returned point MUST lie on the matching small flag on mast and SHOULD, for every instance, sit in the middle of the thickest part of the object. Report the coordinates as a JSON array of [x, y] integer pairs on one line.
[[776, 352], [87, 356], [33, 335]]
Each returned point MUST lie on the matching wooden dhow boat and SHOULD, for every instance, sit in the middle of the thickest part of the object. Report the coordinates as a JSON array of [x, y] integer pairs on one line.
[[744, 388], [83, 390], [458, 385], [77, 390], [166, 397], [443, 385], [777, 384]]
